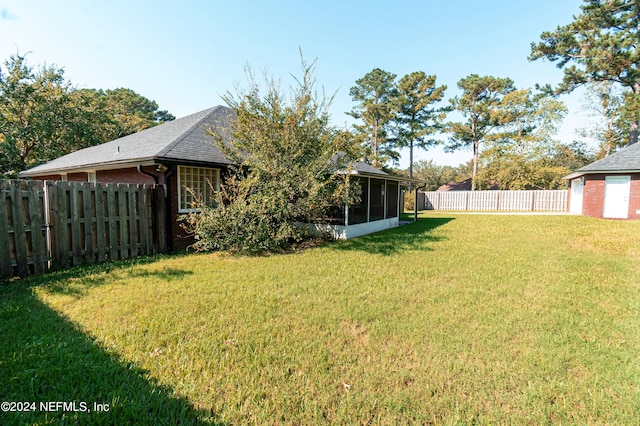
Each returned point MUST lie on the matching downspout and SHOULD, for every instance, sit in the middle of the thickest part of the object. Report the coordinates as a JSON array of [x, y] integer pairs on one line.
[[167, 218], [154, 177]]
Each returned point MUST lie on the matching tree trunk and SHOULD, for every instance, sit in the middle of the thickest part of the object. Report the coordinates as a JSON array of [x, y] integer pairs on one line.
[[633, 127], [411, 164], [475, 165], [375, 161]]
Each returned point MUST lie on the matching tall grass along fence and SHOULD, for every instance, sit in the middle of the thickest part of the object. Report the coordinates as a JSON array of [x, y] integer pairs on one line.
[[54, 225], [536, 201]]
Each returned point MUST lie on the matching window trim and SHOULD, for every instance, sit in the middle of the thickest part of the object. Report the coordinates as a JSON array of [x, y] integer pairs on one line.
[[180, 171]]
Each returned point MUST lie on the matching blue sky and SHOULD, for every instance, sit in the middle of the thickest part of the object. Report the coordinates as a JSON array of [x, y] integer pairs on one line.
[[185, 54]]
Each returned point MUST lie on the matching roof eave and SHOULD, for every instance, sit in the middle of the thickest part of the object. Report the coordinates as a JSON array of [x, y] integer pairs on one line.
[[89, 167], [579, 173], [386, 176]]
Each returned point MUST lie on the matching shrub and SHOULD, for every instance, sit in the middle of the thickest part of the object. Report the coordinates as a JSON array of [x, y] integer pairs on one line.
[[287, 170]]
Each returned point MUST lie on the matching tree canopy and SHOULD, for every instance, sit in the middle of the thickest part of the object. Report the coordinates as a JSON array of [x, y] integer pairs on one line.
[[374, 94], [416, 117], [601, 44], [479, 106], [396, 114], [42, 116]]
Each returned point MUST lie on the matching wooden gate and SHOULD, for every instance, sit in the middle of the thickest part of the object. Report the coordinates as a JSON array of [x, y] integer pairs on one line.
[[61, 224]]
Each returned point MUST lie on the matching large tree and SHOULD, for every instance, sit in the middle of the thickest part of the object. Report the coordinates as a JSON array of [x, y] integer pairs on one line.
[[605, 104], [132, 112], [33, 106], [601, 44], [527, 121], [289, 168], [416, 116], [374, 94], [479, 106], [42, 116]]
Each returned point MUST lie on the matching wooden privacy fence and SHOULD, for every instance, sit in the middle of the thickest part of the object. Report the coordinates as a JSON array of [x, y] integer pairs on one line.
[[536, 201], [54, 225]]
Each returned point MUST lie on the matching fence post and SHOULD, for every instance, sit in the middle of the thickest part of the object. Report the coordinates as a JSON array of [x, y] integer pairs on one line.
[[533, 200]]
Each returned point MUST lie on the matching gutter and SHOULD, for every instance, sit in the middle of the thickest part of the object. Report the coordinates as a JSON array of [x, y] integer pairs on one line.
[[154, 177], [579, 173]]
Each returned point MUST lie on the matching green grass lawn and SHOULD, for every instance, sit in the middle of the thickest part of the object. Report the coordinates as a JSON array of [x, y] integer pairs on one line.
[[456, 319]]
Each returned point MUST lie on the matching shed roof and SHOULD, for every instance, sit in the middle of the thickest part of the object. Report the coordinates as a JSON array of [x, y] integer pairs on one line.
[[184, 140], [626, 160]]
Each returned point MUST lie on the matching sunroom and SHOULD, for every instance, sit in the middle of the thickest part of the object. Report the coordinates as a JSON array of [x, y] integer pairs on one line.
[[379, 207]]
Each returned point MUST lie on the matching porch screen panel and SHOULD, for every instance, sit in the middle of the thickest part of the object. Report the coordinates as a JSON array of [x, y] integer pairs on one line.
[[358, 211], [376, 200], [392, 199]]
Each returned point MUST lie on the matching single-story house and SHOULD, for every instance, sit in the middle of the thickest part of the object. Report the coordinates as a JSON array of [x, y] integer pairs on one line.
[[608, 188], [180, 155]]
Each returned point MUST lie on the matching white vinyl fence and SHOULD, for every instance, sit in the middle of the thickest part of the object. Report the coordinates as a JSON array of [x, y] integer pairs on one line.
[[537, 201]]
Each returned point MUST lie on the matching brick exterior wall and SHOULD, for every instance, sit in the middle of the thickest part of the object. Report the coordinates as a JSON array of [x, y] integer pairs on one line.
[[593, 196], [634, 197], [128, 175]]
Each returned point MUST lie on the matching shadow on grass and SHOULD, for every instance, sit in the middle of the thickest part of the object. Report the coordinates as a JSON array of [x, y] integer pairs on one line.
[[411, 236], [46, 358], [87, 276]]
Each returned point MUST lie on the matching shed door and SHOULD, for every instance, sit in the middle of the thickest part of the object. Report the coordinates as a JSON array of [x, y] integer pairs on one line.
[[577, 189], [616, 197]]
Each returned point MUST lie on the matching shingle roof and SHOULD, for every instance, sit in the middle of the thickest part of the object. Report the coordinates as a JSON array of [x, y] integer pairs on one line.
[[182, 140], [625, 160], [361, 167]]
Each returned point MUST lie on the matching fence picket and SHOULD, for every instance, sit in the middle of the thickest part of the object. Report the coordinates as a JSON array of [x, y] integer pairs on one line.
[[35, 194], [87, 215], [64, 224], [100, 229], [76, 225], [133, 225], [6, 268], [113, 222], [18, 225], [124, 218]]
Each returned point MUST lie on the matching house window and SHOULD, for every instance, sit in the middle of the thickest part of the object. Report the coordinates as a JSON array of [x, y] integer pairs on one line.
[[91, 177], [196, 185]]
